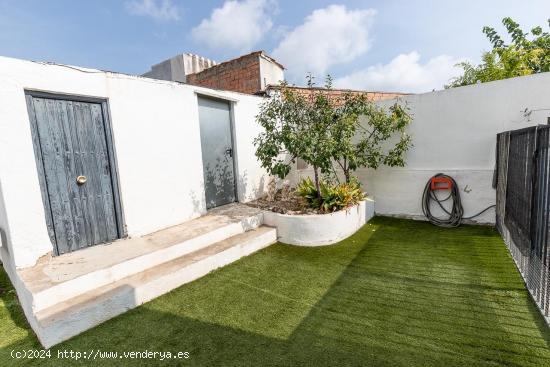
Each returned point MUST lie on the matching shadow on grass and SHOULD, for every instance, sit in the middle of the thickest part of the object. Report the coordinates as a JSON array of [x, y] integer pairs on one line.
[[11, 305], [406, 294]]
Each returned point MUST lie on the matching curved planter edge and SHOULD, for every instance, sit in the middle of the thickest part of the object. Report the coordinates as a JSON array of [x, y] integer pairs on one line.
[[320, 229]]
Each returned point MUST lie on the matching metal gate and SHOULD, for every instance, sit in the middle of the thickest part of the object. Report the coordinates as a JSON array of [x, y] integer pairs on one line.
[[75, 161], [522, 183]]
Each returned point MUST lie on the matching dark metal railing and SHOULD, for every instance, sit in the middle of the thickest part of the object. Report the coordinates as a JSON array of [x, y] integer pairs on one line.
[[523, 204]]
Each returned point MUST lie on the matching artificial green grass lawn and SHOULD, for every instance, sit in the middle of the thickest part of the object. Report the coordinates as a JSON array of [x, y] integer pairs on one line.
[[397, 293]]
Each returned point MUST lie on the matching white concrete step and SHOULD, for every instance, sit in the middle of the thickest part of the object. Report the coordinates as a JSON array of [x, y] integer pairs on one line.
[[56, 279], [65, 319]]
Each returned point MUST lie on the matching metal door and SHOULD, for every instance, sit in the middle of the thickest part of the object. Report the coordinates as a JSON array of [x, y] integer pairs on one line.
[[75, 163], [217, 151]]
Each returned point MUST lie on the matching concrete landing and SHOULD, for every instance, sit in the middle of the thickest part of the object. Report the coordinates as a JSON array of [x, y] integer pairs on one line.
[[65, 295], [55, 279]]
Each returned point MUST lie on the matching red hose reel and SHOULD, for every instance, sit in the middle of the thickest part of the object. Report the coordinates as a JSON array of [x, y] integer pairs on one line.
[[454, 214], [441, 183]]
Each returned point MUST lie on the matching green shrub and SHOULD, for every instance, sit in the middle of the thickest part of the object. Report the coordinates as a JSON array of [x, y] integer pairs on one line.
[[307, 191], [333, 197]]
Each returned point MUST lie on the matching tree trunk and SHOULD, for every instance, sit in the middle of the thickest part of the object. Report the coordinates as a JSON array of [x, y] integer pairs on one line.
[[347, 176], [317, 185], [346, 170]]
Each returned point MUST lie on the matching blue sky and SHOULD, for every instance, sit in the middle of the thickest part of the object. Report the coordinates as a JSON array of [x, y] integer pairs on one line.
[[377, 45]]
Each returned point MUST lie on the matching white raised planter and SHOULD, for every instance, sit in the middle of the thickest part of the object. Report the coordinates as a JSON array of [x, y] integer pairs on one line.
[[320, 229]]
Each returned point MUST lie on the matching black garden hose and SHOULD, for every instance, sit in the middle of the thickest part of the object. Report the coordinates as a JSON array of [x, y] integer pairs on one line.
[[456, 215]]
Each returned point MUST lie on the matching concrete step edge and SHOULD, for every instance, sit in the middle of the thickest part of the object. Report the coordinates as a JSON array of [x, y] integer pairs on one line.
[[98, 278], [64, 320]]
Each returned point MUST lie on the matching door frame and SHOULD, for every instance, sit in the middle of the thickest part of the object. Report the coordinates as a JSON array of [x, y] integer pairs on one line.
[[111, 152], [231, 103]]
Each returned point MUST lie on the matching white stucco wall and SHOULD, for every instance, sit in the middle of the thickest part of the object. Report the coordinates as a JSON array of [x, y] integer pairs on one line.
[[270, 73], [157, 140], [454, 132]]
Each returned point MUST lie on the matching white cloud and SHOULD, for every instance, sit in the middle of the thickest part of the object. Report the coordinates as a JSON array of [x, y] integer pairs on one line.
[[404, 73], [157, 9], [236, 25], [328, 36]]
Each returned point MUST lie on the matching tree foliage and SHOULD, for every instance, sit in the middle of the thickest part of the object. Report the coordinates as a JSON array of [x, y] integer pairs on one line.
[[327, 131], [361, 131], [528, 53], [298, 126]]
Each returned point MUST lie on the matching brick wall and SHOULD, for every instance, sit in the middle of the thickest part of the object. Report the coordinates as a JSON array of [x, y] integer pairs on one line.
[[238, 75], [337, 94]]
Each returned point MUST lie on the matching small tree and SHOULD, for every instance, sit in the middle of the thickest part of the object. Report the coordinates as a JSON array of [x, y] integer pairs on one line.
[[523, 56], [298, 125], [325, 131]]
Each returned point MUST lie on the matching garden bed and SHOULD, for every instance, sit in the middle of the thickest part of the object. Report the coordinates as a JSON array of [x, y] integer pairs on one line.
[[284, 203], [300, 224], [320, 229]]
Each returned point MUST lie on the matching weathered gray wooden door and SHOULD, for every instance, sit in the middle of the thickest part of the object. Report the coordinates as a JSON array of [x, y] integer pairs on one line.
[[217, 151], [74, 160]]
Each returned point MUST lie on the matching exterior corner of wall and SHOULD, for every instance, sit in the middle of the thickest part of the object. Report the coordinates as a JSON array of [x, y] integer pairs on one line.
[[270, 73], [177, 69]]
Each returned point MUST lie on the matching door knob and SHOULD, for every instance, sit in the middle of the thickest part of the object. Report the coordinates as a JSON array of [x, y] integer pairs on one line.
[[229, 152], [81, 180]]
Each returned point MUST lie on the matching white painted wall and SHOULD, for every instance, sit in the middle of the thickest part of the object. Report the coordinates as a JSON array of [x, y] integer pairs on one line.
[[454, 132], [156, 135], [252, 179], [270, 73]]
